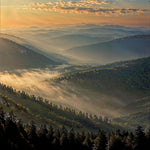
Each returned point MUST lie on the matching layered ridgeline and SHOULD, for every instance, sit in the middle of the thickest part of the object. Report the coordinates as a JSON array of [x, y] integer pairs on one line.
[[111, 51], [73, 40], [16, 56], [117, 87], [31, 108]]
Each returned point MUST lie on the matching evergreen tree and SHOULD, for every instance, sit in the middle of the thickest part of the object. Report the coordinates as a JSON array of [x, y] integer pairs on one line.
[[21, 129], [116, 143], [2, 116], [87, 142], [100, 142], [32, 134], [43, 140], [148, 139], [56, 144], [129, 141], [71, 140], [79, 138], [64, 142], [50, 136], [139, 139]]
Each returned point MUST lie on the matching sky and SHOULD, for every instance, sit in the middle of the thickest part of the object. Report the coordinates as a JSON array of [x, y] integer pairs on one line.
[[22, 13]]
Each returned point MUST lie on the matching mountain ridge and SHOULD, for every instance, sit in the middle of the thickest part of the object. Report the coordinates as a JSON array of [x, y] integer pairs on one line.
[[125, 48], [16, 56], [123, 85]]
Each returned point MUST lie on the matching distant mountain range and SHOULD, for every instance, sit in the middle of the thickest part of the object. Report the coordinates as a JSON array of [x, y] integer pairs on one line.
[[115, 50], [16, 56], [73, 40]]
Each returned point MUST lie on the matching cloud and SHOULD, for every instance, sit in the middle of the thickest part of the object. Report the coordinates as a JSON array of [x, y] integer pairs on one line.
[[84, 7], [82, 3], [98, 2], [38, 82]]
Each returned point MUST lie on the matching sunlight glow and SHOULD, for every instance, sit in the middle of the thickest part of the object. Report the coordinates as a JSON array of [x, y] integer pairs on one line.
[[44, 13]]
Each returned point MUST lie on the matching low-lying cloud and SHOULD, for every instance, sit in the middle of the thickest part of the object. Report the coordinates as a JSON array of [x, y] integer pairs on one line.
[[38, 83], [84, 7]]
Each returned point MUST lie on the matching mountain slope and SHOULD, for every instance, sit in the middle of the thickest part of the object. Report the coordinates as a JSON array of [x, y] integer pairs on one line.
[[134, 119], [133, 76], [74, 40], [16, 56], [142, 104], [119, 49], [115, 87], [37, 109], [135, 113]]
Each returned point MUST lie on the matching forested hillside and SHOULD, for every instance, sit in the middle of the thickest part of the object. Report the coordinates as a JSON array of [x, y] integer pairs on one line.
[[37, 109], [130, 81], [135, 113], [15, 135]]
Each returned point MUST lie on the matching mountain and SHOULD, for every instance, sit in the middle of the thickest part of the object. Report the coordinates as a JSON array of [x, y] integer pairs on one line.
[[25, 43], [41, 111], [110, 89], [74, 40], [115, 50], [16, 56]]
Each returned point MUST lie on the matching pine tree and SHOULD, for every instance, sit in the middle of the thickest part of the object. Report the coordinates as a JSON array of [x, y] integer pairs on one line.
[[139, 139], [43, 140], [2, 116], [100, 142], [56, 144], [148, 139], [64, 142], [50, 135], [116, 143], [87, 142], [71, 140], [129, 141], [32, 133]]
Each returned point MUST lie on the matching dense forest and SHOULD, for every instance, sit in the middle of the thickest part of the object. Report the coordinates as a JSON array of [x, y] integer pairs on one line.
[[29, 107], [68, 130], [128, 81], [15, 135], [128, 76]]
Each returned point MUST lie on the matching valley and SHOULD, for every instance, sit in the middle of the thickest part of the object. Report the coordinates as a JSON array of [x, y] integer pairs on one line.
[[94, 72], [75, 74]]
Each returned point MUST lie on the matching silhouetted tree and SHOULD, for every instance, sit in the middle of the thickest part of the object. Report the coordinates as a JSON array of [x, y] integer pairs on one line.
[[2, 115], [32, 134], [116, 143], [87, 142], [139, 139], [100, 143], [42, 139]]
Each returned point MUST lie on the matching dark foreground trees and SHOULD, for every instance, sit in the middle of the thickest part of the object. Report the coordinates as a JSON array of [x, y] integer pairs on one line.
[[15, 136]]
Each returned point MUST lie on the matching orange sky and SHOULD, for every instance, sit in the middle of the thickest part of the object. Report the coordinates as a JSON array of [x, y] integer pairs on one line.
[[12, 16]]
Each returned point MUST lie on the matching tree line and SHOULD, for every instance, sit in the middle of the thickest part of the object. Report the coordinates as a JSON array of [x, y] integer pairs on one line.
[[59, 114], [15, 135]]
